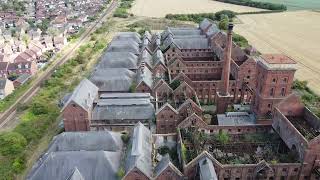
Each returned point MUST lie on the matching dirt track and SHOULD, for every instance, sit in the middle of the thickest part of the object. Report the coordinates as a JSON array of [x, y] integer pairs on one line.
[[295, 34]]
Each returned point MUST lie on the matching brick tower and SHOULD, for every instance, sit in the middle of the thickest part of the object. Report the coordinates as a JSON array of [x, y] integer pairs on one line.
[[275, 79], [223, 96]]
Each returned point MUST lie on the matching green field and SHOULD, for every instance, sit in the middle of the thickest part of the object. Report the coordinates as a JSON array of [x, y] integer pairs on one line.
[[297, 4]]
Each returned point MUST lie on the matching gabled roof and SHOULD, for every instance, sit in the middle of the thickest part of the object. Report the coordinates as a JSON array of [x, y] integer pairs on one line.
[[139, 108], [113, 79], [139, 156], [145, 75], [86, 141], [118, 60], [183, 84], [83, 95], [128, 35], [75, 175], [166, 105], [124, 46], [164, 164], [207, 171], [158, 58], [204, 24], [147, 57], [90, 164], [189, 101], [184, 123], [204, 154], [192, 43]]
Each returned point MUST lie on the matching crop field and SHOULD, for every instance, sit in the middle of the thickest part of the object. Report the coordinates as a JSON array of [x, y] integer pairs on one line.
[[159, 8], [294, 33]]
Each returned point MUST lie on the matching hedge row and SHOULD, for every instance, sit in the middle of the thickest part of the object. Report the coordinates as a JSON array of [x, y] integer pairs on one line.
[[256, 4]]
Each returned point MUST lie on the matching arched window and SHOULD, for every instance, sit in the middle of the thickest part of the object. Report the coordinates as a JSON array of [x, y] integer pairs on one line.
[[271, 92]]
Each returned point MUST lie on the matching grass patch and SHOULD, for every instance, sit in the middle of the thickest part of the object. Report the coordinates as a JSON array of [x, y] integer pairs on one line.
[[309, 98], [122, 10]]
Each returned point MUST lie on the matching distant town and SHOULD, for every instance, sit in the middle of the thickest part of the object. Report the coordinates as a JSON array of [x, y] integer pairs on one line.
[[30, 37]]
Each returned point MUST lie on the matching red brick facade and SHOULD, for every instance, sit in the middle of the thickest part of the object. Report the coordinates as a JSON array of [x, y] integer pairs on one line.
[[76, 118]]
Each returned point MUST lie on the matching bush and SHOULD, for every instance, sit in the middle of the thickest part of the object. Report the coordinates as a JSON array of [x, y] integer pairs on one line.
[[223, 24], [125, 138], [240, 40], [164, 150], [121, 13], [223, 137], [256, 4], [12, 143], [120, 173], [175, 84], [218, 15]]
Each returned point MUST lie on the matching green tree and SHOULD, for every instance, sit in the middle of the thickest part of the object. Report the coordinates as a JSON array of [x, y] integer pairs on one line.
[[53, 32], [12, 143], [223, 137], [223, 24], [26, 40]]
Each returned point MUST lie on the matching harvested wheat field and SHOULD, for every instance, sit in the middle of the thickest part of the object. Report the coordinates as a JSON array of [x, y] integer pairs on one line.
[[295, 34], [159, 8]]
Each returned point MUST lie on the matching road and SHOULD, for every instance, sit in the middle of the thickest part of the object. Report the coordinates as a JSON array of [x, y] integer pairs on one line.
[[10, 113]]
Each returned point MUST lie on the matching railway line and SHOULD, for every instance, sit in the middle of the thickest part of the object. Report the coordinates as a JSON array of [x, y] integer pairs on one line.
[[9, 114]]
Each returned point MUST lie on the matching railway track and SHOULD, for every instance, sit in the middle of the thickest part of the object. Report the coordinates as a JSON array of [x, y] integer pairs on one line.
[[8, 115]]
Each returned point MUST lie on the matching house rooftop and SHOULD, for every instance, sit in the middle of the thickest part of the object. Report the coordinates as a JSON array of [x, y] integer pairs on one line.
[[236, 119], [278, 59]]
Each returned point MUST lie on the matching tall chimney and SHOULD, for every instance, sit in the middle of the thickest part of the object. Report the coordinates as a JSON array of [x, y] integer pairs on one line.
[[227, 61]]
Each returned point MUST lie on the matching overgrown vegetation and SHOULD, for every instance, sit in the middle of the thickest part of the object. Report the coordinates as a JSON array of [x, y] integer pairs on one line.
[[12, 98], [163, 150], [125, 138], [122, 10], [256, 4], [174, 84], [309, 98], [197, 18], [120, 173]]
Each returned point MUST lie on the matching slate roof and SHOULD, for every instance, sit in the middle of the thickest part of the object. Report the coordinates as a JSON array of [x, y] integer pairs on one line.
[[139, 155], [86, 141], [158, 57], [129, 35], [3, 83], [84, 94], [163, 164], [207, 171], [113, 79], [93, 165], [118, 60], [123, 46], [79, 156], [23, 78], [139, 108], [192, 43], [147, 58], [76, 175], [236, 119], [124, 95], [204, 24], [145, 75], [212, 30]]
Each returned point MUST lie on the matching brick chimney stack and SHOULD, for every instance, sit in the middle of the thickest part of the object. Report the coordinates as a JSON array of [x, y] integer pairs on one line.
[[227, 61]]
